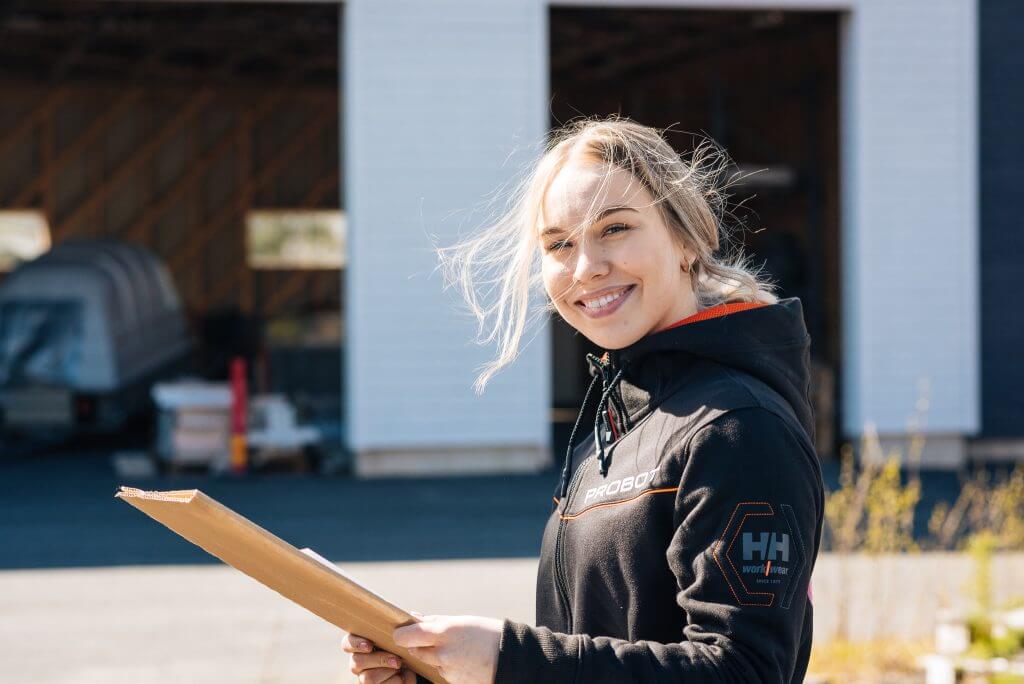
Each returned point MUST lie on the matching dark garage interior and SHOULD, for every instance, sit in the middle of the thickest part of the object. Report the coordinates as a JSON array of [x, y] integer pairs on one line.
[[762, 85], [169, 126]]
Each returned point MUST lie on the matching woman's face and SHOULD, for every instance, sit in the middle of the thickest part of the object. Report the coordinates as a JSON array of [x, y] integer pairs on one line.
[[622, 278]]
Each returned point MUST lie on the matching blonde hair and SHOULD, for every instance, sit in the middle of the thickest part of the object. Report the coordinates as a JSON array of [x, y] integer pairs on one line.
[[498, 269]]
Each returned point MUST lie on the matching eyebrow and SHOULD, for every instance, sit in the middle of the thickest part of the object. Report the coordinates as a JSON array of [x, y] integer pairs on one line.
[[600, 215]]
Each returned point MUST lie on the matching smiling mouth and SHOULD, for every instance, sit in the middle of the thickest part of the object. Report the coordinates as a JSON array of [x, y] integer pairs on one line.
[[605, 302]]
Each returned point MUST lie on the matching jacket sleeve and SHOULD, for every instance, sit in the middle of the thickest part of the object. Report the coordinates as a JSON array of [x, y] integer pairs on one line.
[[747, 520]]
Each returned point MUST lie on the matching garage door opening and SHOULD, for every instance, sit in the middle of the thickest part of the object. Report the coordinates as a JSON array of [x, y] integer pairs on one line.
[[763, 85], [174, 126]]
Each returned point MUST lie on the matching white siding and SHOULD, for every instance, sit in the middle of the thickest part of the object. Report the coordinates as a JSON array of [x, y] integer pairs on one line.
[[443, 102], [910, 222]]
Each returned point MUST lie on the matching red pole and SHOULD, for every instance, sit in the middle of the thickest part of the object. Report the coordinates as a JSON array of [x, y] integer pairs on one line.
[[239, 405]]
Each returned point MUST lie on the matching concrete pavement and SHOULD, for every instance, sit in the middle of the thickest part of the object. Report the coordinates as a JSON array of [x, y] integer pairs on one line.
[[211, 624], [92, 590]]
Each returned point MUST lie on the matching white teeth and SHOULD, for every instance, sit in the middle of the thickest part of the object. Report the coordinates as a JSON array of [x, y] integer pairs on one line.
[[604, 301]]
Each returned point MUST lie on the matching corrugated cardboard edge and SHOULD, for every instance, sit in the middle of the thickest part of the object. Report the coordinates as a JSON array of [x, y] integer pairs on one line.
[[278, 565]]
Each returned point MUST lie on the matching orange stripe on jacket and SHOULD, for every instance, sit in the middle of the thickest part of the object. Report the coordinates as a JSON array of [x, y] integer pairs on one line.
[[716, 312]]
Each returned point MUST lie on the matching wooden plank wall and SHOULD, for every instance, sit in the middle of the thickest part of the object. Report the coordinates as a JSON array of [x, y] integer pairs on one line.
[[176, 168]]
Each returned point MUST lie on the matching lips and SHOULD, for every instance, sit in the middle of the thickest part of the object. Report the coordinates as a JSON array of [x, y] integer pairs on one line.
[[605, 302]]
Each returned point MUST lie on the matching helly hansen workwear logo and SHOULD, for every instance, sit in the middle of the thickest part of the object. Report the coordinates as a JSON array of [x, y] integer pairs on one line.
[[769, 546], [761, 554]]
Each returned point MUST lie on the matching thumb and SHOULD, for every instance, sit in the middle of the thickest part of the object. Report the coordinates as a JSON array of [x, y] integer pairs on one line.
[[418, 634]]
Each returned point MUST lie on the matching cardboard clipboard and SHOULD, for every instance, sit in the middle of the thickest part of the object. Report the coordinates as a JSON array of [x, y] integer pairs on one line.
[[306, 578]]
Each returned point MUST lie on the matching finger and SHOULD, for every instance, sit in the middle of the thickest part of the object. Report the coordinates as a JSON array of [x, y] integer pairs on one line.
[[353, 643], [366, 661], [378, 675], [408, 676], [426, 633]]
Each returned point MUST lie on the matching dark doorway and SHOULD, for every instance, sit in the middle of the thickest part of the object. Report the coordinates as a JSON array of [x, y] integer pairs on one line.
[[763, 85]]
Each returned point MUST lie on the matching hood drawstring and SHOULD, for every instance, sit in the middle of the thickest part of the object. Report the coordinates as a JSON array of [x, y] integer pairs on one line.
[[572, 436], [620, 408], [600, 420]]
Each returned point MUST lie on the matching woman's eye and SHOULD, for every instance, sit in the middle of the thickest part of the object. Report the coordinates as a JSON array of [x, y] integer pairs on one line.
[[616, 228], [561, 244]]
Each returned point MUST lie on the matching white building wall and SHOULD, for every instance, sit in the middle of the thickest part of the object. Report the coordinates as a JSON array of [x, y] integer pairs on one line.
[[910, 223], [444, 100]]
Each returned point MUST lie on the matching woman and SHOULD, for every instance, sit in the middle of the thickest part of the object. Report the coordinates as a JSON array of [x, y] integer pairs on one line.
[[686, 524]]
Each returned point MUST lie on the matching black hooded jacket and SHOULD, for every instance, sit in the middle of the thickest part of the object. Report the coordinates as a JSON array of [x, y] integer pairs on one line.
[[687, 524]]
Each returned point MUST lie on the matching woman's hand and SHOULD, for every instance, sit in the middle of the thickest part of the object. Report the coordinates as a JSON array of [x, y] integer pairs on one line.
[[463, 648], [373, 666]]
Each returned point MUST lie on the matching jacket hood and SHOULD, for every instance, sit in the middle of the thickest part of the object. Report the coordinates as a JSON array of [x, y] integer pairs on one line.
[[767, 341]]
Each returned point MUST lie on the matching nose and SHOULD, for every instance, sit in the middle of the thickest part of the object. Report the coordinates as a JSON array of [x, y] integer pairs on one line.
[[590, 262]]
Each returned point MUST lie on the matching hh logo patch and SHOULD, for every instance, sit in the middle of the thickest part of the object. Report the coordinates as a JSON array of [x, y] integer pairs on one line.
[[761, 554]]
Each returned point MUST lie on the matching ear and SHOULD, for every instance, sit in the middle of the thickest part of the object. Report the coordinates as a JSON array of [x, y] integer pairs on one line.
[[686, 260]]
